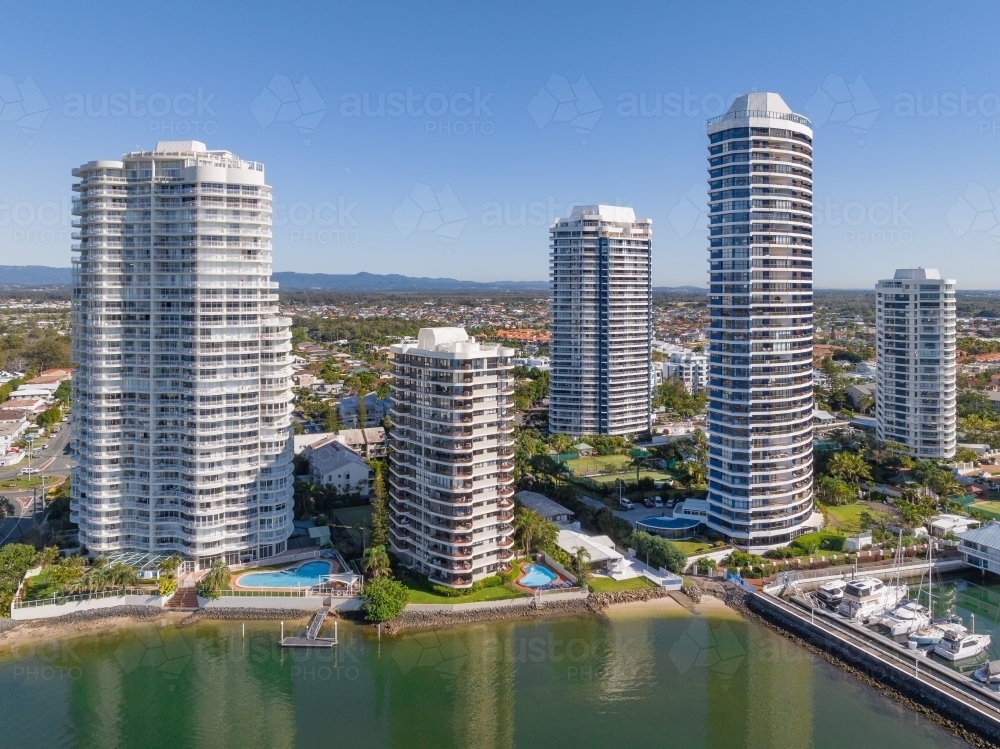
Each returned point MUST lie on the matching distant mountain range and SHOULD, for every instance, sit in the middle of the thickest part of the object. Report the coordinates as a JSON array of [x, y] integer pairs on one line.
[[41, 275], [34, 275], [394, 282]]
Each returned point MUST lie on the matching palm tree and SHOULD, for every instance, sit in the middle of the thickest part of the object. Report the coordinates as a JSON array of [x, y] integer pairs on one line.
[[169, 566], [376, 561], [122, 575], [526, 527], [214, 580], [581, 564]]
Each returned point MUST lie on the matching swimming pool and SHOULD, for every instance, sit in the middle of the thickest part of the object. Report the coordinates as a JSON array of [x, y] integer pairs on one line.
[[537, 575], [304, 576]]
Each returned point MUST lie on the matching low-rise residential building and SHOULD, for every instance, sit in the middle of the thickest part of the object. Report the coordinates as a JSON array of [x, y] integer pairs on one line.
[[981, 547], [601, 549], [945, 523], [376, 409], [857, 393], [331, 463], [547, 508], [370, 442]]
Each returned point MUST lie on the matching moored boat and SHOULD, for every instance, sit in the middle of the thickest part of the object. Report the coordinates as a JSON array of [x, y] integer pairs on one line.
[[988, 673], [933, 632], [904, 618], [956, 646], [869, 597], [831, 593]]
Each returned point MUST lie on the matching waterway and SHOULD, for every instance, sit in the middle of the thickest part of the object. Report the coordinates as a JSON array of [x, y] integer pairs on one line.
[[647, 678]]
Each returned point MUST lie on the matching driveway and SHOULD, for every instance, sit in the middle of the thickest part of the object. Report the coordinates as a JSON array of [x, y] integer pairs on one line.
[[641, 512]]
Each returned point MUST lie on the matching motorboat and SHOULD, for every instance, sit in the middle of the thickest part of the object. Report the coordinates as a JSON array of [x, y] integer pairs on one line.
[[933, 632], [831, 593], [905, 618], [956, 646], [868, 597], [988, 673]]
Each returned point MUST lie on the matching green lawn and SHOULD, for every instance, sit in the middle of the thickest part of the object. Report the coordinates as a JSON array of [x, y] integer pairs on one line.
[[596, 464], [846, 518], [990, 508], [607, 585], [31, 482], [692, 547], [498, 593]]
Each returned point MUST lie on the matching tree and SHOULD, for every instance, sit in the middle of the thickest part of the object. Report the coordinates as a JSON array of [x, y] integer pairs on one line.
[[375, 561], [581, 564], [526, 527], [673, 396], [214, 581], [384, 599], [849, 467], [63, 392], [7, 509], [380, 507], [965, 455], [834, 491], [362, 412]]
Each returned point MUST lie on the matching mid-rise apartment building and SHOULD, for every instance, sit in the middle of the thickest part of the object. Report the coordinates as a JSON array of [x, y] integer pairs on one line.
[[450, 469], [601, 322], [915, 354], [760, 390], [181, 396], [681, 363]]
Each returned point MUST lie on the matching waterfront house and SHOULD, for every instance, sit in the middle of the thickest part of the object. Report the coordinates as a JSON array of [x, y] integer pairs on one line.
[[981, 547]]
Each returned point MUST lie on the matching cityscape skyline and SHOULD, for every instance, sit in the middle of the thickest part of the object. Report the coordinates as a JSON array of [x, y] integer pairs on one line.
[[393, 180]]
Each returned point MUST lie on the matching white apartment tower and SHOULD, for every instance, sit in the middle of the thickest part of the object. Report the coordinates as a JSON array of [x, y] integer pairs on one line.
[[760, 391], [181, 396], [600, 322], [450, 470], [915, 350]]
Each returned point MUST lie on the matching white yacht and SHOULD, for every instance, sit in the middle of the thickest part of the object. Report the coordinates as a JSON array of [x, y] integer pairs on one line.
[[831, 593], [956, 646], [933, 632], [905, 618], [868, 597]]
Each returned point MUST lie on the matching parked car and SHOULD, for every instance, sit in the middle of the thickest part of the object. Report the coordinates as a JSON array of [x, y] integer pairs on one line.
[[657, 502], [45, 446], [626, 504], [648, 501]]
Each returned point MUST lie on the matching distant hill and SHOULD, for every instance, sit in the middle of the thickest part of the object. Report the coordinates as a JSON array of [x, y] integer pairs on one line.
[[34, 275], [680, 290], [394, 282]]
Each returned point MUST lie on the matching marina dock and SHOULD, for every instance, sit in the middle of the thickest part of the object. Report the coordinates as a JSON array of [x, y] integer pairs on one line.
[[951, 694], [315, 625]]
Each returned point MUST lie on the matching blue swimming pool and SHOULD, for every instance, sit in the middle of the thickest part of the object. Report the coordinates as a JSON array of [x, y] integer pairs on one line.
[[537, 575], [304, 576]]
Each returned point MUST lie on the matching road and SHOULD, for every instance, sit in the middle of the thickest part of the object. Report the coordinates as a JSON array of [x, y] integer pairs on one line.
[[54, 461]]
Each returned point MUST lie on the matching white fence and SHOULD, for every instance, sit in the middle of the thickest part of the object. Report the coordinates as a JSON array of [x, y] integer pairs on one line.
[[48, 608]]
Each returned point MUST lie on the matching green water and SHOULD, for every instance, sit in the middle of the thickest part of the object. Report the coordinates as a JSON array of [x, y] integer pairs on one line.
[[635, 681]]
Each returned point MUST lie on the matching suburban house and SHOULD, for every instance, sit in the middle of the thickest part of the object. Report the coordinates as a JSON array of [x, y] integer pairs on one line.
[[332, 463], [855, 393], [547, 508], [945, 523]]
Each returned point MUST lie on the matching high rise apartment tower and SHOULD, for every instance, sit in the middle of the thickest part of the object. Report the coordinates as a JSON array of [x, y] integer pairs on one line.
[[915, 354], [760, 397], [450, 479], [600, 322], [181, 396]]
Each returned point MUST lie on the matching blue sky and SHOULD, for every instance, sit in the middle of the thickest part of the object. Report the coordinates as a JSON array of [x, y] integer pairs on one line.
[[516, 112]]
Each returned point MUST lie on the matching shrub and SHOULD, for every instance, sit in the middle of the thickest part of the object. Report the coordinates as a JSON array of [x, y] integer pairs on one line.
[[15, 560], [782, 552], [704, 565], [384, 599], [166, 585]]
